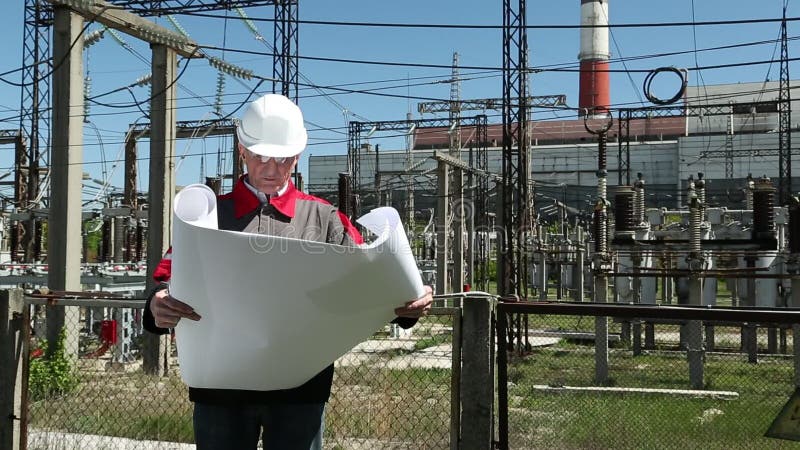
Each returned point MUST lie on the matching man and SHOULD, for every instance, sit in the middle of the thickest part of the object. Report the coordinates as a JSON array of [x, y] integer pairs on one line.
[[271, 137]]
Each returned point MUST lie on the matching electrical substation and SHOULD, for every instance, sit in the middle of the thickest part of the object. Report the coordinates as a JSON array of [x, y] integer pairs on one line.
[[614, 205], [688, 201]]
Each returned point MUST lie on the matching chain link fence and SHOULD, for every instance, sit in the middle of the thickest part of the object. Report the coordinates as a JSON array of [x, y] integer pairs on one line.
[[648, 397], [400, 389], [88, 390]]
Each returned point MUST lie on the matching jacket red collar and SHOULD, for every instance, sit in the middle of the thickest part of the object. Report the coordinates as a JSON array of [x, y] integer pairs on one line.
[[245, 201]]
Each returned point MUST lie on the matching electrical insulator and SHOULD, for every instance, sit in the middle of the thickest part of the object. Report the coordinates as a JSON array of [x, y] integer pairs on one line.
[[93, 37], [87, 89], [345, 194], [623, 210], [700, 186], [602, 158], [639, 200], [695, 220], [794, 225], [763, 208], [177, 25], [600, 230], [220, 92], [143, 80]]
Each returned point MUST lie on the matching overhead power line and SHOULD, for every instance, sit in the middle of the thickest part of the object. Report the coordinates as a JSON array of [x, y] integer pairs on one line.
[[535, 69], [530, 27]]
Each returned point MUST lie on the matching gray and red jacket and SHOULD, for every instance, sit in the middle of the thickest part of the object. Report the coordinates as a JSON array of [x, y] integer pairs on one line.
[[293, 214]]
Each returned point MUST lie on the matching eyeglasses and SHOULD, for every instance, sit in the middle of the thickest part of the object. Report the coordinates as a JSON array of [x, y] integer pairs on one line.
[[265, 159]]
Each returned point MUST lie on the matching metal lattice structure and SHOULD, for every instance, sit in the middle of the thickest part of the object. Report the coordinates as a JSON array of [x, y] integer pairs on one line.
[[729, 149], [356, 129], [190, 128], [285, 42], [784, 122], [34, 109], [625, 115], [481, 199], [535, 101], [34, 113], [158, 8], [455, 110], [516, 199]]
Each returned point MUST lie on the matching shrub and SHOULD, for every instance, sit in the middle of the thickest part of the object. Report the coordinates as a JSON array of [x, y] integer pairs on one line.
[[53, 374]]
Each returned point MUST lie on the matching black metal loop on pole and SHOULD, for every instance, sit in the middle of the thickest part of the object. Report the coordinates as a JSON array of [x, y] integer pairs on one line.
[[648, 81], [587, 114]]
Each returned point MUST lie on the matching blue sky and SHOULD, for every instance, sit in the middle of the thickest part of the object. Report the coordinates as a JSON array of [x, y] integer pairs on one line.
[[111, 66]]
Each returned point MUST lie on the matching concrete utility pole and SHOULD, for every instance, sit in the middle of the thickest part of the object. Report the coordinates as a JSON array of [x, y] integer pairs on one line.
[[446, 164], [693, 329], [162, 184], [793, 267], [131, 197], [577, 271], [459, 228], [14, 324], [166, 45], [17, 229], [442, 231], [65, 217]]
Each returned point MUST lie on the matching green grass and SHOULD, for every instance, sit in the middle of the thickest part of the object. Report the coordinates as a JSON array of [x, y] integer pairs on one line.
[[630, 421], [131, 405], [588, 420]]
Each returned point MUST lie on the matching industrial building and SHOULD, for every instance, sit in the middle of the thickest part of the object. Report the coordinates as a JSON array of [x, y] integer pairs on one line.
[[666, 151]]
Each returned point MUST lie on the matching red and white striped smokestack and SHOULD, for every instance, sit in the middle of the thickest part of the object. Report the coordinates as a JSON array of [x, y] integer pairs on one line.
[[594, 88]]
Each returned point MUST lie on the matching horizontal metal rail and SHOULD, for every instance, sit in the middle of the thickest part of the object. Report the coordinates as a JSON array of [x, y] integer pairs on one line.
[[86, 301], [639, 311]]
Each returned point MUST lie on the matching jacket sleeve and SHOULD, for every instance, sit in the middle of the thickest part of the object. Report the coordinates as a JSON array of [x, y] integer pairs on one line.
[[148, 321], [163, 270], [341, 231], [161, 276]]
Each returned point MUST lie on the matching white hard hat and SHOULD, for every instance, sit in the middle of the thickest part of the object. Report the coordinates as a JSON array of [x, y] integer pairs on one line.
[[273, 126]]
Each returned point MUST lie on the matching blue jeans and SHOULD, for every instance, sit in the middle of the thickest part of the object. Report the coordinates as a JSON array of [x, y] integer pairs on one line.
[[285, 426]]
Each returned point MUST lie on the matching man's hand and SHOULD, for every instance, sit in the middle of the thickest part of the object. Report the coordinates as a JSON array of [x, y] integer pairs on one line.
[[168, 311], [418, 307]]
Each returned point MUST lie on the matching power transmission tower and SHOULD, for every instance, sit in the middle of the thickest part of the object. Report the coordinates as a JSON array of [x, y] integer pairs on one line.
[[34, 115], [481, 104], [729, 148], [455, 110], [515, 199], [285, 42], [784, 122], [35, 101]]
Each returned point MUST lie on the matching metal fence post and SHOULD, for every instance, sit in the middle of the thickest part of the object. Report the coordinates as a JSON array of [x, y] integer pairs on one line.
[[12, 359], [794, 302], [477, 373]]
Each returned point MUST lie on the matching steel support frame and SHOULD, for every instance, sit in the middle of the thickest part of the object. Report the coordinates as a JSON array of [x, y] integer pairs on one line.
[[34, 110], [624, 147], [516, 200], [784, 122], [35, 92], [17, 228], [159, 8], [355, 129], [481, 205], [625, 115], [285, 72]]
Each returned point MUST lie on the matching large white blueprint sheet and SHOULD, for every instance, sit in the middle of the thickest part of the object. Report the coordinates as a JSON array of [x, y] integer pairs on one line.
[[276, 311]]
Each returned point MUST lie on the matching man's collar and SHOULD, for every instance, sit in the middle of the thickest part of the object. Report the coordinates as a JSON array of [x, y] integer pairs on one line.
[[262, 197], [245, 201]]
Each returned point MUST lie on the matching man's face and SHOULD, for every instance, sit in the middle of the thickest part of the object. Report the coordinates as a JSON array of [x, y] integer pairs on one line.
[[267, 177]]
